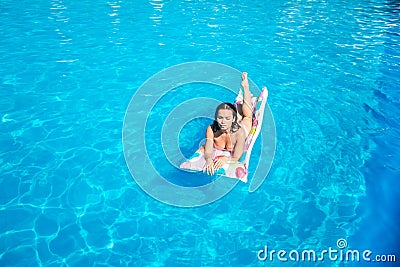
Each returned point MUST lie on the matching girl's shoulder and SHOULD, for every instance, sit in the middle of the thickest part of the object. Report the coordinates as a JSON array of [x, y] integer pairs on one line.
[[209, 132]]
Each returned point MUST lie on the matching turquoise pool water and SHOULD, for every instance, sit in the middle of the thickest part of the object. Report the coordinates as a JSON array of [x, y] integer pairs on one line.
[[69, 69]]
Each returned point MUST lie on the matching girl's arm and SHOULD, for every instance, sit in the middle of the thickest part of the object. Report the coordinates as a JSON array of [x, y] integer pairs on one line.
[[239, 147], [237, 154], [208, 151]]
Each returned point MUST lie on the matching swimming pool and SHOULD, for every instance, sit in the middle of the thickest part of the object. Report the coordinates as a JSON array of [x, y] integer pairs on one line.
[[69, 69]]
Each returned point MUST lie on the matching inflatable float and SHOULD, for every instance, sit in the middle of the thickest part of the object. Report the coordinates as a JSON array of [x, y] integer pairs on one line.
[[234, 169]]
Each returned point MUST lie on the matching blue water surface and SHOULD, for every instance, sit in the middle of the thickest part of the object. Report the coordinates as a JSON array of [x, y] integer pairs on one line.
[[69, 69]]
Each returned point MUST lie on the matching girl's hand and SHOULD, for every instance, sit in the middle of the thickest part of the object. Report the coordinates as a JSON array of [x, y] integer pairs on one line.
[[209, 166], [220, 162]]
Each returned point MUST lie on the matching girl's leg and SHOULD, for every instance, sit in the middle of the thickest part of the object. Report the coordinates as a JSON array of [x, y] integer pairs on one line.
[[247, 107]]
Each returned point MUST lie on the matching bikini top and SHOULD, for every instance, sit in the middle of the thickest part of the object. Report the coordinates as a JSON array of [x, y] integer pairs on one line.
[[223, 148]]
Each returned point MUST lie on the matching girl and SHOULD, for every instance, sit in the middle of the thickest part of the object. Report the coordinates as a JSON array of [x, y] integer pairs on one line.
[[225, 138]]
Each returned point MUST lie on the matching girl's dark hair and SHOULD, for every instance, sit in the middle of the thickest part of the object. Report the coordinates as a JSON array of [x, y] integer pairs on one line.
[[235, 126]]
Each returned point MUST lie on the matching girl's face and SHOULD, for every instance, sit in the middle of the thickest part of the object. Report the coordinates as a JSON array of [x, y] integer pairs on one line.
[[225, 119]]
